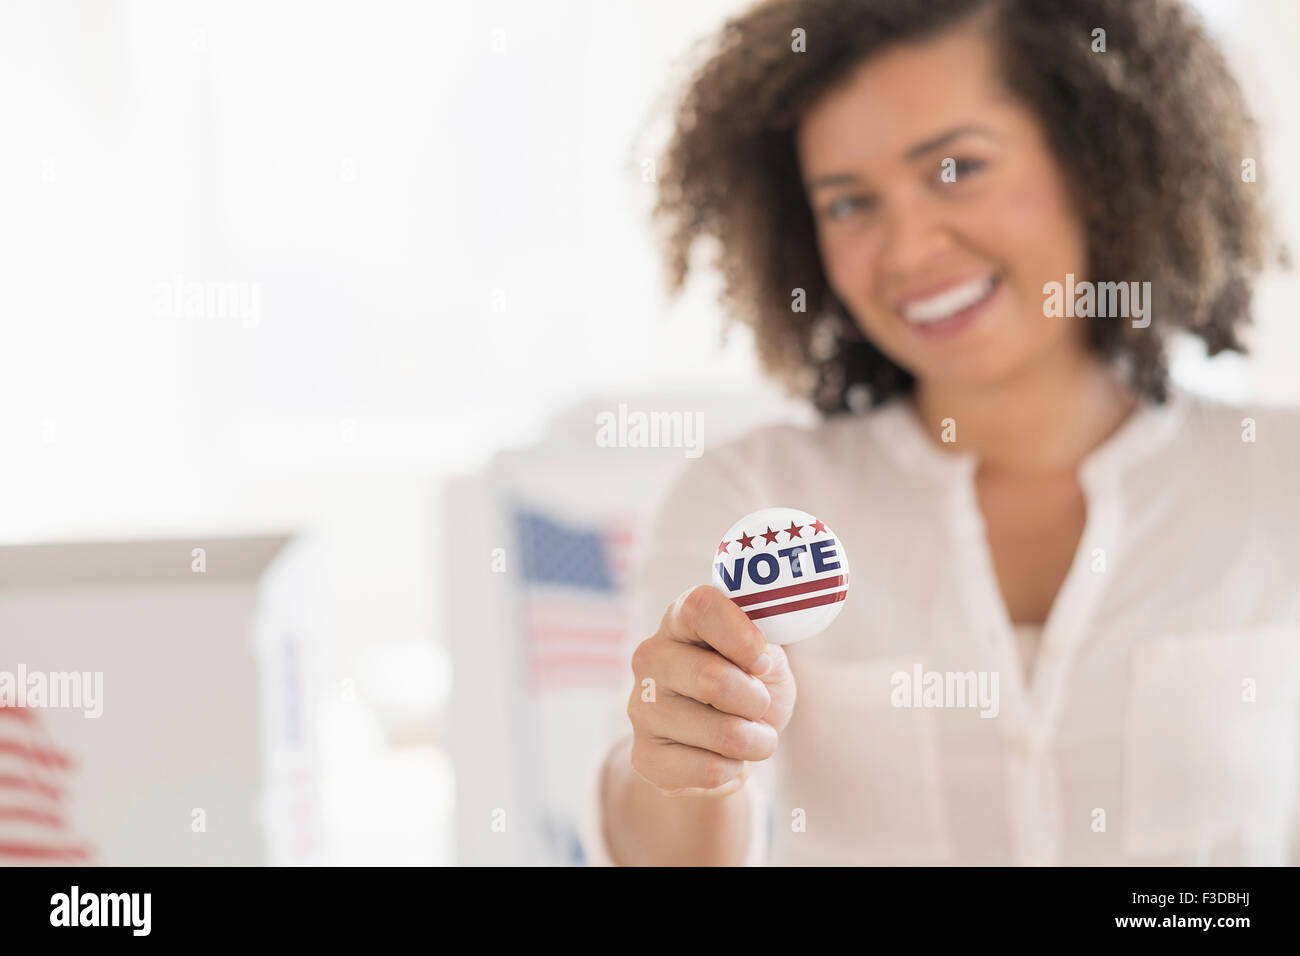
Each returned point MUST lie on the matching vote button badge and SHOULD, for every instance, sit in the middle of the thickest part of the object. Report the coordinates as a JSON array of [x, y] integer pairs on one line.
[[786, 570]]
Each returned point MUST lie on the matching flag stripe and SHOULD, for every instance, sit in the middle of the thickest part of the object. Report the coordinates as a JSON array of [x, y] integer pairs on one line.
[[572, 613], [35, 753], [15, 782], [35, 851], [31, 815], [33, 827]]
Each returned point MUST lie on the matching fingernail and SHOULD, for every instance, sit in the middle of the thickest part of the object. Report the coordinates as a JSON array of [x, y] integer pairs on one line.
[[762, 665]]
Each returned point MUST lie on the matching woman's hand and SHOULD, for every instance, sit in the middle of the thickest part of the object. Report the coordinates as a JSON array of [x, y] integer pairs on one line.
[[710, 694]]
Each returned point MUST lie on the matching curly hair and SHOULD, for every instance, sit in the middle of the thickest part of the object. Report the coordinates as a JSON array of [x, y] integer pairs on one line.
[[1152, 136]]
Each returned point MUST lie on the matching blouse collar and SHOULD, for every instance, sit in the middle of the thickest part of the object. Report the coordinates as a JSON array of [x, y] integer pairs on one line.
[[1146, 431]]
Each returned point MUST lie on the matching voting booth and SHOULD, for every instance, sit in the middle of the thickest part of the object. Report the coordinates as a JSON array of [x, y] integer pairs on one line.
[[542, 552], [188, 723]]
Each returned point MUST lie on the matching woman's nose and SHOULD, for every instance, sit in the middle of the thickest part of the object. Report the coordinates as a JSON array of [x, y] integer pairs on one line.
[[914, 235]]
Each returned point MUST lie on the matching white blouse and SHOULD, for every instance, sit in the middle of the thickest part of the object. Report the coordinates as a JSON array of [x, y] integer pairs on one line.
[[1028, 637], [1159, 722]]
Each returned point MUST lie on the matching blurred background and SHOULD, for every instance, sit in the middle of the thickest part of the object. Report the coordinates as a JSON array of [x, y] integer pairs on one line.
[[309, 313]]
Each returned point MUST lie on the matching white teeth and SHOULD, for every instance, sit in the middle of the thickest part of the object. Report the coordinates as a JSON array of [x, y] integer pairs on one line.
[[945, 304]]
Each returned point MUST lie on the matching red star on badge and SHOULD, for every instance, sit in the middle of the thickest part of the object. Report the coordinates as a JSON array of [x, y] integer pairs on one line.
[[818, 527], [794, 530], [770, 535], [722, 548], [745, 541]]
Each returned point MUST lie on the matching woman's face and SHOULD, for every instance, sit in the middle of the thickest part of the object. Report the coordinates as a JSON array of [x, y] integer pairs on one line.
[[945, 277]]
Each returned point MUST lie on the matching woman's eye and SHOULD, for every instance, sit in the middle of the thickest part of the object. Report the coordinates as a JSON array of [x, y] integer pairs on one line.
[[955, 170], [845, 206]]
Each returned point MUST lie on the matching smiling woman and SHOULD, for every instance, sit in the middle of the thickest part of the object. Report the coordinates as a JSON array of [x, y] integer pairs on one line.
[[1039, 512], [794, 162], [942, 272]]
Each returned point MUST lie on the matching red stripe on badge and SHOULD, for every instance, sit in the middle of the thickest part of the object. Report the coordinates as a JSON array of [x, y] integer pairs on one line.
[[789, 606], [820, 584]]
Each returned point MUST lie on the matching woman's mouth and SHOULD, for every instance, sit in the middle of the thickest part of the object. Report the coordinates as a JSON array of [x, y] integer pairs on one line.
[[951, 310]]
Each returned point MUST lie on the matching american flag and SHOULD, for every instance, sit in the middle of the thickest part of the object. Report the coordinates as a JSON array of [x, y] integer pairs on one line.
[[573, 600], [34, 827]]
